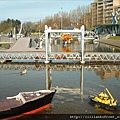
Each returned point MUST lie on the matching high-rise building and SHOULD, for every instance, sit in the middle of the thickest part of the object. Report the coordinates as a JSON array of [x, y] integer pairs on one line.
[[101, 11], [94, 13]]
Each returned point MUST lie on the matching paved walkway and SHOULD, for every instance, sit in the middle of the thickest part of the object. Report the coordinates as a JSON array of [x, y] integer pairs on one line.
[[22, 45], [111, 42]]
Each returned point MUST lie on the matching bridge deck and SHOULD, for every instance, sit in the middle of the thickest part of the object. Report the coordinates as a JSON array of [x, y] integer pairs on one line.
[[21, 44]]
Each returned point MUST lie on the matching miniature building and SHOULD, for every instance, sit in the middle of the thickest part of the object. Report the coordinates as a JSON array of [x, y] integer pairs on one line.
[[101, 11]]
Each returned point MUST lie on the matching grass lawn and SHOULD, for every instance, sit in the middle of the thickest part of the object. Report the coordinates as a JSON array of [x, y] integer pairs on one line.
[[115, 37]]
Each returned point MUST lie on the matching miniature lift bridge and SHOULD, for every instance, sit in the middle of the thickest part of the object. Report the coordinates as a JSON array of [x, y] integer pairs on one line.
[[48, 32]]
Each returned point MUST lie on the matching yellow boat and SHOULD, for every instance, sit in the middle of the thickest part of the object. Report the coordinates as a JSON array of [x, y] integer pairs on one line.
[[105, 100]]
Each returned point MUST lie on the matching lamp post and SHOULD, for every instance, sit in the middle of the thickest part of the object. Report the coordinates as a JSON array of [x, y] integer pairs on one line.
[[61, 19]]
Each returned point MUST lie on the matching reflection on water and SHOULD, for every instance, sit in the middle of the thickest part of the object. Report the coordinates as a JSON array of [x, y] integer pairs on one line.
[[105, 71], [74, 83], [89, 46], [66, 48]]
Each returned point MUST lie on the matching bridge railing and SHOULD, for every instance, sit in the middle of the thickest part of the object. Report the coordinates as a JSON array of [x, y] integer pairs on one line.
[[40, 56], [100, 56], [88, 56]]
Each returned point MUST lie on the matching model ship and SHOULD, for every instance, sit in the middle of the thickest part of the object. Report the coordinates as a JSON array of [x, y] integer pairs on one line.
[[25, 103], [105, 100]]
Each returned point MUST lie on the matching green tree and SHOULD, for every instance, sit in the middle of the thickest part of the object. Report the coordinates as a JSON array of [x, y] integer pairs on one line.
[[8, 25]]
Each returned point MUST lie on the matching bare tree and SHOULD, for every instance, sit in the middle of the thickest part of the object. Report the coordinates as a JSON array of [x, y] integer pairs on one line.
[[77, 17]]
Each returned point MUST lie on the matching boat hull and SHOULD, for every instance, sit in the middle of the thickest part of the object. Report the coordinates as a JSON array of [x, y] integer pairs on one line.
[[105, 106], [27, 107]]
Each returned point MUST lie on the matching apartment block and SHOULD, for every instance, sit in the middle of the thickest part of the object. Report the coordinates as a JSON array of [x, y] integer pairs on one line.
[[94, 13], [101, 11]]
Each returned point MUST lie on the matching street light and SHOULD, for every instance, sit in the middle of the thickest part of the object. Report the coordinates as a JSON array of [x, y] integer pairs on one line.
[[61, 18]]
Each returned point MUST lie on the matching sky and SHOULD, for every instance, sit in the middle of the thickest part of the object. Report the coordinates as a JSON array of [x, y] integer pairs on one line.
[[36, 10]]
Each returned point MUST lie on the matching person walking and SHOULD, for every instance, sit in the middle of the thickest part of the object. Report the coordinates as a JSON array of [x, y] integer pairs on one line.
[[36, 42], [41, 41], [30, 44]]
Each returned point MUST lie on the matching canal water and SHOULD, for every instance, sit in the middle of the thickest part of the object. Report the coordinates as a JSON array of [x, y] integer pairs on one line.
[[74, 83]]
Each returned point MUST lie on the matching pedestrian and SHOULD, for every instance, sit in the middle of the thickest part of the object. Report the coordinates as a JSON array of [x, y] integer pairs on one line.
[[36, 42], [41, 41], [30, 44]]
